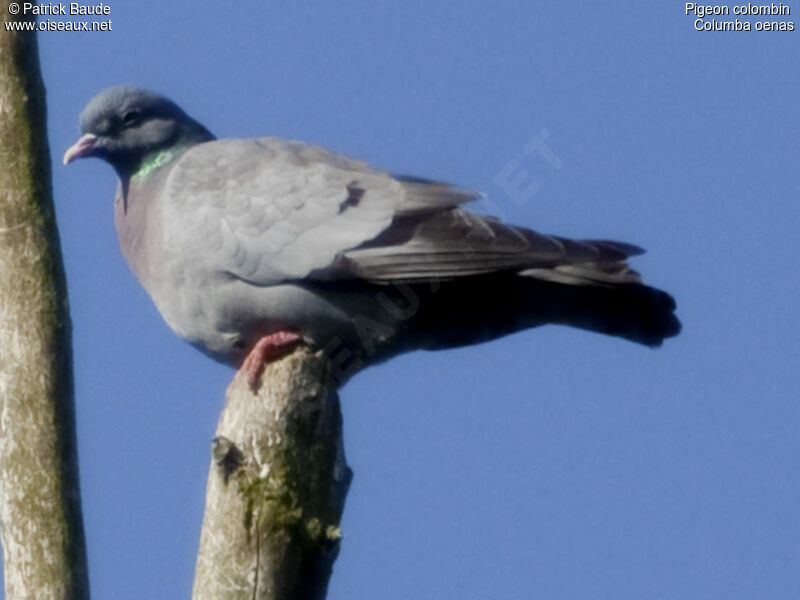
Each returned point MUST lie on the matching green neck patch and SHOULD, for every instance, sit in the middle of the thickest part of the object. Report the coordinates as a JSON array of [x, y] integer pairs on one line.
[[153, 162]]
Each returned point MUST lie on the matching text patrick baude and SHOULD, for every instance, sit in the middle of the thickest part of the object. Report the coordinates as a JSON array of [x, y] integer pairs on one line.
[[59, 8]]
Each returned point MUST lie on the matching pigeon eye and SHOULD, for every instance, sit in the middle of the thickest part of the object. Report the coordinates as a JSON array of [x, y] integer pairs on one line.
[[130, 118]]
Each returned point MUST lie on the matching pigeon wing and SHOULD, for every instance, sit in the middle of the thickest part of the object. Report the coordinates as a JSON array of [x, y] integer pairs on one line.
[[268, 210], [454, 243]]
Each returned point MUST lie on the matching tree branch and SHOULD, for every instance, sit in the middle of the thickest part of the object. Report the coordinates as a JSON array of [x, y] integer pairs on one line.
[[276, 487], [44, 553]]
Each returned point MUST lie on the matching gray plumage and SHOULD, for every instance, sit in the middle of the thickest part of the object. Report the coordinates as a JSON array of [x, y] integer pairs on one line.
[[235, 239]]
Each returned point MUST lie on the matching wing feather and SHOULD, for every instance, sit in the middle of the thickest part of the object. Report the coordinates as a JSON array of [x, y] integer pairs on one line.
[[269, 210], [456, 243]]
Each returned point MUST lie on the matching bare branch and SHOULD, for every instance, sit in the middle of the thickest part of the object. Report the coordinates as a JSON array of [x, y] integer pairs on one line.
[[276, 487], [44, 552]]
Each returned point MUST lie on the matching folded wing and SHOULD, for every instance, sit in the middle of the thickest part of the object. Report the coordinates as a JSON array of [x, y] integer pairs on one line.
[[270, 210]]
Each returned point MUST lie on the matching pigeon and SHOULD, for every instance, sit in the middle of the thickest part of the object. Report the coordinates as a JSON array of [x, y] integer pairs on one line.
[[250, 247]]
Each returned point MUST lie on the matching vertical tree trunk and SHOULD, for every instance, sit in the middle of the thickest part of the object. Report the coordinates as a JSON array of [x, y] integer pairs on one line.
[[276, 487], [44, 554]]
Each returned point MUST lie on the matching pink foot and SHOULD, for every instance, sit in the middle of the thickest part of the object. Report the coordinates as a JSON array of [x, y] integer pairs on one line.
[[268, 348]]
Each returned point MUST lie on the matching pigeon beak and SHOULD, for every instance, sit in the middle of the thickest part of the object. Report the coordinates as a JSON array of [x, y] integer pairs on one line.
[[83, 147]]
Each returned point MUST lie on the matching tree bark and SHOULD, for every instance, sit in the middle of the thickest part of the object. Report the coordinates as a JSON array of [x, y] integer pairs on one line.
[[44, 553], [276, 487]]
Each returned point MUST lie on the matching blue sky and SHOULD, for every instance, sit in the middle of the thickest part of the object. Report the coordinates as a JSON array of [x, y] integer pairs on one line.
[[552, 464]]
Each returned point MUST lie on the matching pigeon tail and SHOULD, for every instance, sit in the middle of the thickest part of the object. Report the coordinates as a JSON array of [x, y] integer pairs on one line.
[[633, 311], [476, 309]]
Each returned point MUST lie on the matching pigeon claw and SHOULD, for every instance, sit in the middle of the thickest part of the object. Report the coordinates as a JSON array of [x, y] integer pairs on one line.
[[269, 348]]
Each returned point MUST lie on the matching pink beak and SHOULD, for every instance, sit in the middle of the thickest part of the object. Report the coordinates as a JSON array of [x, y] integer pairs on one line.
[[81, 148]]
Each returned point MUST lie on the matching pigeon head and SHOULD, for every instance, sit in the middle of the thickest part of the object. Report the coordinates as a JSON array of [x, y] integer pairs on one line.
[[126, 126]]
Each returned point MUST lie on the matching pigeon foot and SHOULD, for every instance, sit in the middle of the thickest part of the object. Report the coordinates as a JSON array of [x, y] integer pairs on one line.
[[267, 349]]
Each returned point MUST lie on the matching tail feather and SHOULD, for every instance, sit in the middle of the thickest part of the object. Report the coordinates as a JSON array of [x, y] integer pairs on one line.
[[635, 312], [477, 309]]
